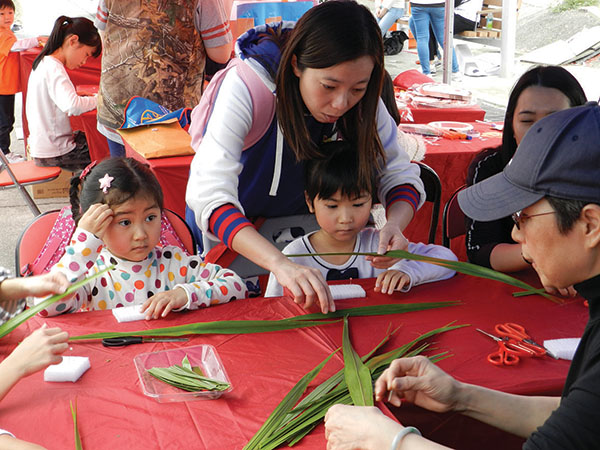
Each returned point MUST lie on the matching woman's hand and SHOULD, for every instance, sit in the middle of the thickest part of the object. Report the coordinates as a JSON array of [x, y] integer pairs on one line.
[[163, 303], [96, 219], [419, 381], [306, 284], [566, 292], [358, 427], [381, 12], [390, 238]]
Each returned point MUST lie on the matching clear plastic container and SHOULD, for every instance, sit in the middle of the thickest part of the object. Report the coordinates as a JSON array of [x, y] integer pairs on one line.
[[203, 356]]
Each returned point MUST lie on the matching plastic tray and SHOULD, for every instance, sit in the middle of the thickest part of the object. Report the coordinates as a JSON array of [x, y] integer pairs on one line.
[[203, 356]]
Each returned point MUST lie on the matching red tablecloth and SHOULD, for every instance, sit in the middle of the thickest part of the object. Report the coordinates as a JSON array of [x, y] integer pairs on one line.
[[114, 413], [425, 114], [97, 143], [88, 74], [449, 158], [172, 174]]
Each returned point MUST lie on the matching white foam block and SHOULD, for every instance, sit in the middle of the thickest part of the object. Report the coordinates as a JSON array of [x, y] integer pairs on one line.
[[70, 369], [342, 291], [128, 313], [563, 348]]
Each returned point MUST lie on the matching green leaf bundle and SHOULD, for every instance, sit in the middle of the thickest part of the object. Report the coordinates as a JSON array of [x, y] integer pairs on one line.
[[301, 419], [13, 323], [187, 378]]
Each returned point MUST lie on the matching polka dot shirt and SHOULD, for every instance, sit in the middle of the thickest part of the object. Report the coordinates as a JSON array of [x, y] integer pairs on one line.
[[134, 282]]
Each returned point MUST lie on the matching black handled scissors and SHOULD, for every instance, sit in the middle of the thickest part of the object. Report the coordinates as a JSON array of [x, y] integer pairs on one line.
[[121, 341]]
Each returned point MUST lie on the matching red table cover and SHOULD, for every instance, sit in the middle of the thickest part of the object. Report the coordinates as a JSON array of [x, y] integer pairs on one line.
[[426, 114], [114, 413]]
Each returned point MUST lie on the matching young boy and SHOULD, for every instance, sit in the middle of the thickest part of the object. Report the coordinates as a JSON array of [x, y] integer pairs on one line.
[[9, 74], [342, 209], [552, 189]]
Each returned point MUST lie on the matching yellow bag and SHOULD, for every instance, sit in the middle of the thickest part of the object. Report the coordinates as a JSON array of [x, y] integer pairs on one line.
[[159, 140]]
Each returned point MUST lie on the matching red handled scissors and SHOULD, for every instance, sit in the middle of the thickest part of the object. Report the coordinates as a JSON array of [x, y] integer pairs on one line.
[[509, 352], [517, 332]]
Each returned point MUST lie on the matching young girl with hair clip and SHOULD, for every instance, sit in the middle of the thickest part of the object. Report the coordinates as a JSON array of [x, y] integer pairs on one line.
[[540, 91], [342, 208], [117, 207], [327, 80], [52, 98]]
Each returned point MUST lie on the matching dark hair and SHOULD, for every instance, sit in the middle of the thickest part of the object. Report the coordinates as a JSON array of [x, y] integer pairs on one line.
[[131, 179], [64, 27], [7, 4], [567, 212], [328, 34], [389, 97], [554, 77], [336, 170]]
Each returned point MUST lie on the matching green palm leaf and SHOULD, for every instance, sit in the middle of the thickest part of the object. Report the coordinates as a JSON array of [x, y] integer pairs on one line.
[[263, 326], [78, 445], [458, 266], [277, 416], [356, 374], [13, 323]]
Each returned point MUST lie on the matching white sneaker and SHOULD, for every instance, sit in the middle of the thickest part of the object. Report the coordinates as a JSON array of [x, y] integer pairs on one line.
[[432, 67], [14, 158], [458, 77]]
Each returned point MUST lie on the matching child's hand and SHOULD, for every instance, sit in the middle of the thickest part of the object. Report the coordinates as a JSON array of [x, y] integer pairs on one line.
[[42, 40], [162, 303], [391, 280], [38, 350], [47, 284], [37, 286], [97, 219]]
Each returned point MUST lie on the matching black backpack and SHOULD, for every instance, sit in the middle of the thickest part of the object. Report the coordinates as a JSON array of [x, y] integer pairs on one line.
[[394, 42]]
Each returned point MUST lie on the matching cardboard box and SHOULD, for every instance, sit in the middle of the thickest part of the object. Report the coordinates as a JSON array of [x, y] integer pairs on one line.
[[56, 188]]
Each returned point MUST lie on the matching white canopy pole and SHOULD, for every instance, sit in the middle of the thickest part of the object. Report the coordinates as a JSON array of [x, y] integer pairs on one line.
[[448, 38], [508, 38]]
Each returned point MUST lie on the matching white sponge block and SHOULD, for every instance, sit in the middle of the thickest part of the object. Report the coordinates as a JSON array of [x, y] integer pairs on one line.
[[70, 369], [563, 348], [342, 291], [128, 313]]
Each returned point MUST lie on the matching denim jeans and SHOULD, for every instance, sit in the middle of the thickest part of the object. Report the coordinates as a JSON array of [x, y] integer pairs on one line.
[[422, 16], [116, 149], [388, 20]]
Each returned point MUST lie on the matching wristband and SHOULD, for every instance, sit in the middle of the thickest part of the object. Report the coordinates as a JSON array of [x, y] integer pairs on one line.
[[398, 439]]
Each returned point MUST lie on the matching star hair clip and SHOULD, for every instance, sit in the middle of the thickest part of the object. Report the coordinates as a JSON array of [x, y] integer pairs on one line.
[[105, 182]]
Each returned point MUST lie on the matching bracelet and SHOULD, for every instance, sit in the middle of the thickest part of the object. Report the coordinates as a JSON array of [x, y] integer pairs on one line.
[[401, 434]]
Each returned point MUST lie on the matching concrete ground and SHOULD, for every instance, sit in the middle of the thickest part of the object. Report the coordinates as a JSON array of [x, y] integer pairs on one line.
[[491, 93]]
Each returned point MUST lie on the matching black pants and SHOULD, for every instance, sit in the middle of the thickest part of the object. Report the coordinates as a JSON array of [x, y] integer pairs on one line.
[[460, 24], [7, 120]]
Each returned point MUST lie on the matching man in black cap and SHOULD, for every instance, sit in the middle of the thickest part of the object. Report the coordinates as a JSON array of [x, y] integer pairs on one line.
[[552, 189]]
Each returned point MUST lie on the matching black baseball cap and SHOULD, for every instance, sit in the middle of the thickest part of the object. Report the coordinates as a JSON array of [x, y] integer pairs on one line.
[[558, 157]]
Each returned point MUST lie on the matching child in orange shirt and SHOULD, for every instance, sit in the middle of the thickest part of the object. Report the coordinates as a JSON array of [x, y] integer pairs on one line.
[[9, 74]]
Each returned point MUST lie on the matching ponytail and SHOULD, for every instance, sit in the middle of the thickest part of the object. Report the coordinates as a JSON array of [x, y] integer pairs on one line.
[[74, 197], [64, 27]]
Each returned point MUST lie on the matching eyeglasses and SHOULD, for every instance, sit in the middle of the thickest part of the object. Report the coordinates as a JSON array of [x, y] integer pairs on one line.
[[520, 217]]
